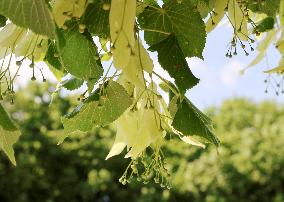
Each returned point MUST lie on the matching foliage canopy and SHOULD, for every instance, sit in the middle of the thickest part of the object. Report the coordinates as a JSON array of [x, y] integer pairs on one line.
[[248, 167], [103, 43]]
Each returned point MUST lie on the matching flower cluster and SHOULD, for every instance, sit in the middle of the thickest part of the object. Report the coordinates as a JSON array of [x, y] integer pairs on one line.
[[24, 44]]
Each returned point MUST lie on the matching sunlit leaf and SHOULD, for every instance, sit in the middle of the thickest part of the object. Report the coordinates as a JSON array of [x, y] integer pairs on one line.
[[32, 14], [63, 9], [9, 135], [237, 19], [72, 83], [79, 56], [98, 110]]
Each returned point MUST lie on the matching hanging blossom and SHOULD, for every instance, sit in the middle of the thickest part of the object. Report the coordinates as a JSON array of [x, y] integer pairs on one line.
[[139, 127], [24, 44], [141, 131], [145, 123]]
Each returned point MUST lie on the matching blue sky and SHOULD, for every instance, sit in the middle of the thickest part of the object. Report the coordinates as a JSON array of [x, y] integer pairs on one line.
[[220, 77]]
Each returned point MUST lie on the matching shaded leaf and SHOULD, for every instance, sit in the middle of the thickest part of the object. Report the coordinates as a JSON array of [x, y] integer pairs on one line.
[[190, 121], [269, 7], [265, 25], [52, 56], [203, 6], [97, 19], [174, 18], [3, 20], [173, 60]]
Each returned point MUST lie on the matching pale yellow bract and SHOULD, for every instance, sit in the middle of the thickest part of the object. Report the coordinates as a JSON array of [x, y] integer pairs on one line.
[[22, 42], [122, 19], [140, 127], [236, 17], [145, 124], [219, 11], [139, 62]]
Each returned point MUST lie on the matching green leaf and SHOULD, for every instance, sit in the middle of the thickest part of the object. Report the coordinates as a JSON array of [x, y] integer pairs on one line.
[[72, 83], [98, 110], [180, 19], [32, 14], [52, 56], [173, 60], [79, 56], [189, 120], [9, 134], [265, 25], [3, 20], [269, 7], [97, 19], [203, 6]]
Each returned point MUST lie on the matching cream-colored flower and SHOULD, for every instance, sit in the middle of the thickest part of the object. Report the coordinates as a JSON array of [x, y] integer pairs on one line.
[[140, 127], [145, 124], [136, 130]]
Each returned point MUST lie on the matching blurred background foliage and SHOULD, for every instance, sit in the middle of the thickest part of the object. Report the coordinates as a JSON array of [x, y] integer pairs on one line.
[[247, 167]]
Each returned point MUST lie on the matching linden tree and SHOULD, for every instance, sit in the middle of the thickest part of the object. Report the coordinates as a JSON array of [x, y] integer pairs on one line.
[[107, 45]]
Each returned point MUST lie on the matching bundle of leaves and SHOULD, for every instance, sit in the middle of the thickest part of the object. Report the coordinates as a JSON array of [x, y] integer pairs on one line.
[[106, 45]]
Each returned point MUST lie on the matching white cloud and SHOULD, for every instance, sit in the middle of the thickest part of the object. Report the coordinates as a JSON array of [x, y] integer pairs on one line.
[[230, 74], [25, 74], [205, 72]]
